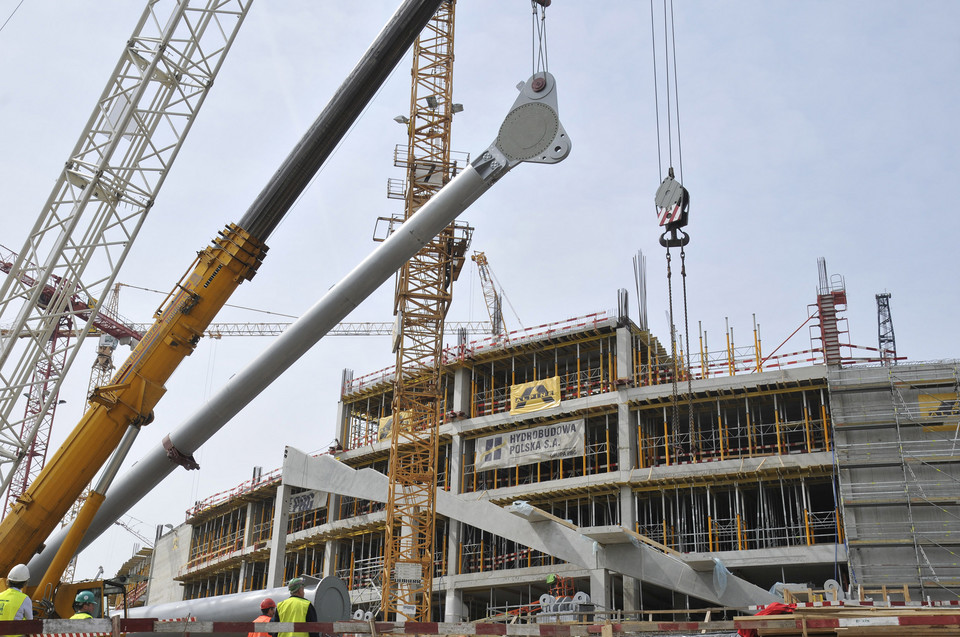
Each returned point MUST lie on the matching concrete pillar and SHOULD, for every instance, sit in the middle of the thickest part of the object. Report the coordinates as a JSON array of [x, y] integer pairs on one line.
[[632, 591], [454, 533], [331, 549], [624, 356], [628, 508], [627, 443], [248, 526], [340, 424], [628, 519], [599, 588], [456, 463], [461, 392], [278, 542], [454, 609]]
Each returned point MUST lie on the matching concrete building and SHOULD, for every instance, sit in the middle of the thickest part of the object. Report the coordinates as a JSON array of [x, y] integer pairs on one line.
[[646, 483]]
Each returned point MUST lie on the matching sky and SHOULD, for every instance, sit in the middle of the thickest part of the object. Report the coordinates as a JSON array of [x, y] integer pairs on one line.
[[807, 130]]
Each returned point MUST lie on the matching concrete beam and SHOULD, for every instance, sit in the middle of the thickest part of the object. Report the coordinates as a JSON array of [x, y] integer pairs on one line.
[[564, 541]]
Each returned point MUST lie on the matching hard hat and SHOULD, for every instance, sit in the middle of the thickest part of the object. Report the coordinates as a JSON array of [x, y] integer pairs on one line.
[[85, 597], [267, 603], [19, 573], [295, 584]]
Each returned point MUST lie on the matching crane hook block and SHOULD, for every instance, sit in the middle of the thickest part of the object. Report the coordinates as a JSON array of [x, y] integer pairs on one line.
[[673, 203]]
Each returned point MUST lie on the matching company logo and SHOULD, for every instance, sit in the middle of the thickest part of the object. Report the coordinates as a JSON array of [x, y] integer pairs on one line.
[[492, 448], [535, 393]]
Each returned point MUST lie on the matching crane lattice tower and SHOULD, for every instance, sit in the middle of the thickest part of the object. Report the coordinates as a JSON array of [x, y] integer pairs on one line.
[[424, 293]]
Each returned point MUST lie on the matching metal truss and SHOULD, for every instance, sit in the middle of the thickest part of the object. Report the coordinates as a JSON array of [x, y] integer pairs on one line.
[[98, 205], [424, 291]]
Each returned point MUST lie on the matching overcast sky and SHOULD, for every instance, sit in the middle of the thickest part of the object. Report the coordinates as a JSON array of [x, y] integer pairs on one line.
[[809, 129]]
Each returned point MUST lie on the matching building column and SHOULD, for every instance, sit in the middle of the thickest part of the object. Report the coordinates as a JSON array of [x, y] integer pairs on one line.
[[248, 526], [627, 443], [278, 541], [599, 588], [624, 357], [632, 592], [454, 610], [331, 548], [628, 519], [461, 393]]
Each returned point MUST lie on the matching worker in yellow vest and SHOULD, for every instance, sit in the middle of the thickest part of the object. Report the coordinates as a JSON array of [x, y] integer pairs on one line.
[[296, 609], [84, 605], [14, 603]]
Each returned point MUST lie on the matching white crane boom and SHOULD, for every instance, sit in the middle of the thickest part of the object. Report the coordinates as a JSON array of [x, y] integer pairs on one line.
[[99, 203]]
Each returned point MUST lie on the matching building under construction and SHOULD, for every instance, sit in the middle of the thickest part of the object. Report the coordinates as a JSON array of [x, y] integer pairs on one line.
[[797, 472]]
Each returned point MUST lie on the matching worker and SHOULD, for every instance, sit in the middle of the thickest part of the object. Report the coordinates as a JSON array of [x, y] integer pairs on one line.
[[296, 609], [268, 608], [14, 603], [84, 605]]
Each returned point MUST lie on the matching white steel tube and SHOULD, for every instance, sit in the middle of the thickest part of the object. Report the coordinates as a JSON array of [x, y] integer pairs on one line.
[[522, 132], [335, 305]]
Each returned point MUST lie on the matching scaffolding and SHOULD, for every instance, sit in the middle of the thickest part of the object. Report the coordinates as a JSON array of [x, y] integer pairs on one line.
[[897, 448]]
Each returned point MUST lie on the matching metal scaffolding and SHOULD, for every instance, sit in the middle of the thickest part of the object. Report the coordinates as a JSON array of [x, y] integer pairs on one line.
[[897, 433]]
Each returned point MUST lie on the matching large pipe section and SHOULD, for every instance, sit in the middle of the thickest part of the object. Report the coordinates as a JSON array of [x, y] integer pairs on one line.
[[531, 132], [329, 597]]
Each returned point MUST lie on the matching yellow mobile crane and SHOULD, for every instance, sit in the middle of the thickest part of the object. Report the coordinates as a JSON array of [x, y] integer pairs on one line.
[[119, 409]]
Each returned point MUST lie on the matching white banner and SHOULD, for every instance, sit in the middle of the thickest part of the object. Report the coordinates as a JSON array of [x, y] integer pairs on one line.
[[307, 501], [526, 446]]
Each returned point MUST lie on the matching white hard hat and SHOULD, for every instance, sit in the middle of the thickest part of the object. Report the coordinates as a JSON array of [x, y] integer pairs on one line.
[[19, 573]]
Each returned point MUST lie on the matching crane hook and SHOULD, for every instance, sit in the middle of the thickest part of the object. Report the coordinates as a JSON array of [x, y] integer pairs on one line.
[[673, 207]]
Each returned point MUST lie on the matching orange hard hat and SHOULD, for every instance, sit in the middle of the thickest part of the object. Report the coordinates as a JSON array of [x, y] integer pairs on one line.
[[267, 603]]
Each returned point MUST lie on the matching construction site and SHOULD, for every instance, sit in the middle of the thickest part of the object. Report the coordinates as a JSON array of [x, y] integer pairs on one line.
[[585, 476], [826, 481]]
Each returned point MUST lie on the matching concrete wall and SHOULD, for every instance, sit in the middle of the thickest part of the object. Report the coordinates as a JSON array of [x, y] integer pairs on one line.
[[171, 552]]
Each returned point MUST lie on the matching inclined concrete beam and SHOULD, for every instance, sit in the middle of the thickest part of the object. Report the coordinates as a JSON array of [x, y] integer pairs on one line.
[[540, 532]]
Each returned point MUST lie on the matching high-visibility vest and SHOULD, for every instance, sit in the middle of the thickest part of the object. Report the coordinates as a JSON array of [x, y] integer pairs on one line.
[[293, 609], [10, 602], [261, 619], [81, 616]]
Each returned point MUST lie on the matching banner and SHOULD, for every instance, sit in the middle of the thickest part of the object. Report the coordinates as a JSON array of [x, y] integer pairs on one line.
[[385, 424], [939, 407], [307, 501], [535, 395], [537, 444]]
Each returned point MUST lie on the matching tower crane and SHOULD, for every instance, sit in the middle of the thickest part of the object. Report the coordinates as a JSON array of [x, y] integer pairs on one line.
[[95, 212], [35, 455], [492, 298], [423, 296], [132, 531], [887, 342]]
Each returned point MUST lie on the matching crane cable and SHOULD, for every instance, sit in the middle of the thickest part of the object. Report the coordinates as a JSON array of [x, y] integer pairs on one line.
[[538, 40], [672, 201]]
